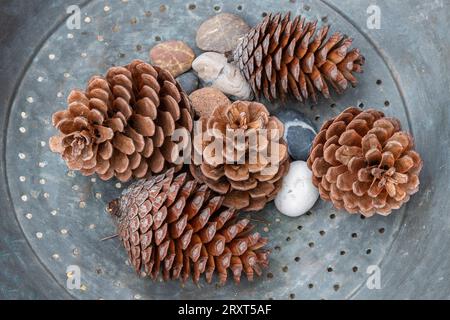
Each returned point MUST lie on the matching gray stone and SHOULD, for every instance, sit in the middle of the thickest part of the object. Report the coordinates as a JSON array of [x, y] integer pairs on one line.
[[299, 132], [188, 81]]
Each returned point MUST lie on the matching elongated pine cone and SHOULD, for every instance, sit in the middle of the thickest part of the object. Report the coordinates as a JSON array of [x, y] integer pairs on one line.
[[363, 162], [177, 226], [281, 56], [122, 124], [240, 152]]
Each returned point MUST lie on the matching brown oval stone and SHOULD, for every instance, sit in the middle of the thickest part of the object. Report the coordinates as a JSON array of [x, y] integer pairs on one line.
[[205, 100], [173, 56], [221, 33]]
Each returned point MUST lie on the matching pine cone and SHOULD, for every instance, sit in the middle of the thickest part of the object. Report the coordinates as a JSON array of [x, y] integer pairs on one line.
[[363, 162], [122, 124], [281, 56], [178, 226], [247, 171]]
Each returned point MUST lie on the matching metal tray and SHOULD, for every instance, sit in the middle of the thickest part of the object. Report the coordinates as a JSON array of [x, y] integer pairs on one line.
[[53, 218]]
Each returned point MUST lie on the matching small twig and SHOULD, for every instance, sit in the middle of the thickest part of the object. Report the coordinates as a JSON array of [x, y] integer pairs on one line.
[[109, 237]]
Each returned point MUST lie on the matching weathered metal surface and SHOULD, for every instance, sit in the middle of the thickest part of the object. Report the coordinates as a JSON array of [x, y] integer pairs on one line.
[[321, 255]]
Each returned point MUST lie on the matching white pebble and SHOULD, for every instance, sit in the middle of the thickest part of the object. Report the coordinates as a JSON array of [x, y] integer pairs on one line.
[[39, 235], [214, 69], [29, 216], [22, 179], [297, 194], [30, 99]]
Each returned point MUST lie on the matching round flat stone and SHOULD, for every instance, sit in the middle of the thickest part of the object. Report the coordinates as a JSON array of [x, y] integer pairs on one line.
[[174, 56], [221, 33], [205, 100]]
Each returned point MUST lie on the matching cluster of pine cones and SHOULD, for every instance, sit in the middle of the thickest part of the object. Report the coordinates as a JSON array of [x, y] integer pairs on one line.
[[182, 221]]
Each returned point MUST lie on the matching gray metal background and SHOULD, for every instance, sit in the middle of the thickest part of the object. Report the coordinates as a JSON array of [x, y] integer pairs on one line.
[[321, 255]]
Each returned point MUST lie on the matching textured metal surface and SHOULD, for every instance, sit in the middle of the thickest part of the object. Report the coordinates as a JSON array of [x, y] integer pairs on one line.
[[55, 218]]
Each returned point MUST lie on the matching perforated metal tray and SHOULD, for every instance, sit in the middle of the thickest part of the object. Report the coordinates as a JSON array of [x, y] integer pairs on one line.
[[55, 218]]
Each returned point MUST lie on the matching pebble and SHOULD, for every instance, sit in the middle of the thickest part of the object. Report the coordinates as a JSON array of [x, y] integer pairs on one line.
[[188, 81], [205, 100], [174, 56], [221, 33], [214, 70], [298, 194], [299, 132]]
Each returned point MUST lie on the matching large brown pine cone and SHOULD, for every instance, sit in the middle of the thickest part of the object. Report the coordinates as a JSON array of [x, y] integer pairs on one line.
[[281, 56], [179, 227], [247, 171], [122, 124], [363, 162]]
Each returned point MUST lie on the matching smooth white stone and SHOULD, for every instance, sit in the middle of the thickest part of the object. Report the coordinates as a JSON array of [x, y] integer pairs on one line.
[[214, 70], [209, 65], [297, 194]]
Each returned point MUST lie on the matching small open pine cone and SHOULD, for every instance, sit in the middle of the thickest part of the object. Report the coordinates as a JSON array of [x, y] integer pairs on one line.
[[281, 56], [252, 158], [363, 162], [175, 226], [122, 124]]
